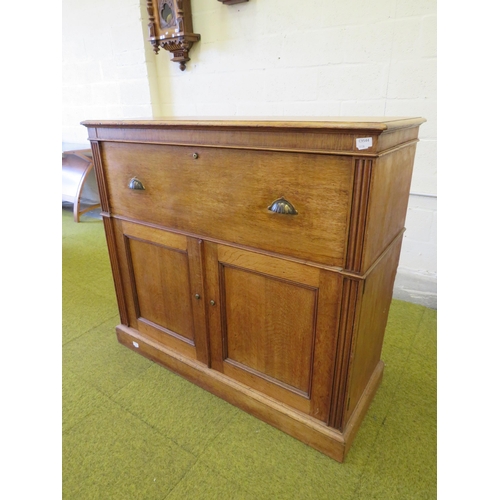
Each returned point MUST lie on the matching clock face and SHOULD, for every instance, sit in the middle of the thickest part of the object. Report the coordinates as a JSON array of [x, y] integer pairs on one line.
[[166, 13], [167, 17]]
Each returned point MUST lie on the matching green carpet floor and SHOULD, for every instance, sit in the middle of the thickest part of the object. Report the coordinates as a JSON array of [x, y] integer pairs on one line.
[[134, 430]]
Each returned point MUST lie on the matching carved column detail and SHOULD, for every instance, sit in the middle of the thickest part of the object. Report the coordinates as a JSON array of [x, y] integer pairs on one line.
[[99, 174], [115, 268], [359, 210], [350, 293], [108, 230], [151, 26]]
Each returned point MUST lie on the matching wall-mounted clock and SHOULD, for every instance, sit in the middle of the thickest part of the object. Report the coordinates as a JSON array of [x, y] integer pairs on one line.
[[171, 28]]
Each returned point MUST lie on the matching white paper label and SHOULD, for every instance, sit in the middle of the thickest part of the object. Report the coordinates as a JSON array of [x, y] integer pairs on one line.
[[364, 143], [135, 344]]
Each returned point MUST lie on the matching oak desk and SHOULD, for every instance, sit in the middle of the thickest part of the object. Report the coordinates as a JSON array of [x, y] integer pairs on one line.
[[257, 258]]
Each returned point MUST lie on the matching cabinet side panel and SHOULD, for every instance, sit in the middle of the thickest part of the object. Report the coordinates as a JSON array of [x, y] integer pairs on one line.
[[388, 202], [372, 320], [392, 139]]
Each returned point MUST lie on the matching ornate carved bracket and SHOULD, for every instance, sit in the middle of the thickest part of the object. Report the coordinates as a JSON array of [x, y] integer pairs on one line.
[[171, 28]]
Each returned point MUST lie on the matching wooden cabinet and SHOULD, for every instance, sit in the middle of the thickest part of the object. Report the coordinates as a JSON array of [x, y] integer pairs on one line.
[[257, 258]]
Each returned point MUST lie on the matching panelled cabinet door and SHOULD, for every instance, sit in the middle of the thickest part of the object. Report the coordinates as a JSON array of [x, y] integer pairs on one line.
[[273, 325], [163, 287]]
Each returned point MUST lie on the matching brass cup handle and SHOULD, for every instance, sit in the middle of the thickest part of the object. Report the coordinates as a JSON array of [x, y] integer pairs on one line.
[[136, 184], [282, 206]]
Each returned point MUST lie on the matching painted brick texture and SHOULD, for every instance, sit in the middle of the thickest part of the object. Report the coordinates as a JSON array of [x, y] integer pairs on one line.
[[104, 71]]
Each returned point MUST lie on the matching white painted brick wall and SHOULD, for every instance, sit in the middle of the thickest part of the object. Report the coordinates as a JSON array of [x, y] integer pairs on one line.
[[273, 58], [104, 70]]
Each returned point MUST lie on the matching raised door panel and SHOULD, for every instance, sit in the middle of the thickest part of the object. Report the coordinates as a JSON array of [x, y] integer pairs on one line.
[[273, 325], [161, 282], [162, 278], [263, 332]]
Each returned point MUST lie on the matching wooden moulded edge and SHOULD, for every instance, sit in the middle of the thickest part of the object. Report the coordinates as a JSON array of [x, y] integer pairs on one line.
[[332, 137], [306, 429], [340, 123]]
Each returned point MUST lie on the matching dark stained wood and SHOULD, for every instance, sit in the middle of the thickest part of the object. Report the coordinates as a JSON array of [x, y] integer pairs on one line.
[[281, 315], [173, 32]]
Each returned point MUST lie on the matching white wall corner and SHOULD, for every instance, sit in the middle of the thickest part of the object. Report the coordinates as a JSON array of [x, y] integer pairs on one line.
[[416, 287]]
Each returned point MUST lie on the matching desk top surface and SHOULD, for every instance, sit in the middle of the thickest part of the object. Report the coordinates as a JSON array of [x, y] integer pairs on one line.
[[379, 124]]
